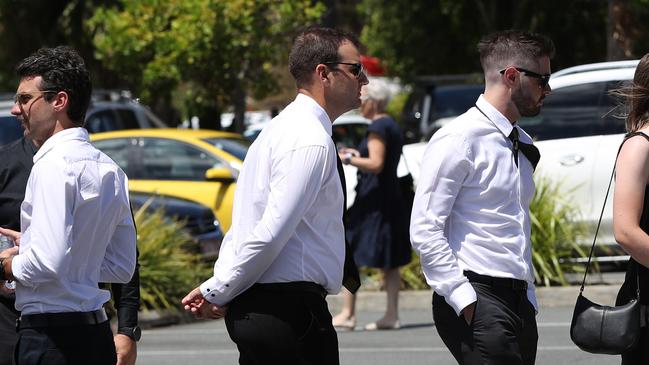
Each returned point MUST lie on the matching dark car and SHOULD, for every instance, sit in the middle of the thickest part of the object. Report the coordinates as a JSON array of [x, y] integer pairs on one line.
[[108, 111], [198, 219], [434, 102]]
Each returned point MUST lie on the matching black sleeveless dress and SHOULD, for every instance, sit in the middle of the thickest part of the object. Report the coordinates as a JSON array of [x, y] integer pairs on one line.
[[378, 221], [639, 355]]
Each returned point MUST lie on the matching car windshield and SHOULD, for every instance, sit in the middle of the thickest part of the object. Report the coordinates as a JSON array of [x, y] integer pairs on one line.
[[10, 129], [234, 146]]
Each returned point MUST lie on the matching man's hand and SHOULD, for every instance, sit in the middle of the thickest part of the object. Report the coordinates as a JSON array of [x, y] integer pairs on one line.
[[468, 312], [195, 303], [126, 349], [14, 235]]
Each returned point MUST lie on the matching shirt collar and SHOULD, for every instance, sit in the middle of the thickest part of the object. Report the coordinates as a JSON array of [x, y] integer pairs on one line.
[[500, 121], [67, 134], [314, 107]]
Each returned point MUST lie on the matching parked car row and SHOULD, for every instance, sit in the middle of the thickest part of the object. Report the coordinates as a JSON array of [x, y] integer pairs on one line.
[[196, 165], [107, 112]]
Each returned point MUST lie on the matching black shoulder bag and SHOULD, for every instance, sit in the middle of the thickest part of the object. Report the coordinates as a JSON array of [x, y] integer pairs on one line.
[[601, 329]]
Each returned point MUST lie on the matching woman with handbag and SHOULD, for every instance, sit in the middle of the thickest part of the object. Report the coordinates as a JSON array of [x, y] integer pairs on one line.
[[631, 202], [377, 225]]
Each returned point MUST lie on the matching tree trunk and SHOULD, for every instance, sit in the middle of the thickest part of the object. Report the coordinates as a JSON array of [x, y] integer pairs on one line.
[[239, 101], [620, 30]]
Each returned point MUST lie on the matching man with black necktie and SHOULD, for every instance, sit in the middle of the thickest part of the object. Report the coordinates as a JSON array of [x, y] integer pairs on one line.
[[286, 248], [470, 221]]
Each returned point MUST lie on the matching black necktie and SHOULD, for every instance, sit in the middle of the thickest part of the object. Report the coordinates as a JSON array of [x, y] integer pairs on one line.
[[351, 278], [529, 150]]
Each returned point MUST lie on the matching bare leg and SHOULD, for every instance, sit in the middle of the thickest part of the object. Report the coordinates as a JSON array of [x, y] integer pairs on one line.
[[392, 283], [346, 319]]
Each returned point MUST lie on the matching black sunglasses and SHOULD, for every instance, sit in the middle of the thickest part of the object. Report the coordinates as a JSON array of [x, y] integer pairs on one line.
[[356, 68], [543, 79]]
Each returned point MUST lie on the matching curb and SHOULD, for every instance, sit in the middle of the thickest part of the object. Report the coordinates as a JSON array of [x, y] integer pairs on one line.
[[548, 297], [366, 300]]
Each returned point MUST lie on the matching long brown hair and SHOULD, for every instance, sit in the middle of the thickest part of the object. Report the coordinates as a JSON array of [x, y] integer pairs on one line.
[[636, 95]]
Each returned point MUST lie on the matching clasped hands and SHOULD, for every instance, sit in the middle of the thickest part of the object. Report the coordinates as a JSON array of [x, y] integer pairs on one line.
[[195, 303], [12, 251]]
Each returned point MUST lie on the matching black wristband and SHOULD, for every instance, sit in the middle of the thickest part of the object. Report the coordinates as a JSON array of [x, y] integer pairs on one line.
[[133, 332]]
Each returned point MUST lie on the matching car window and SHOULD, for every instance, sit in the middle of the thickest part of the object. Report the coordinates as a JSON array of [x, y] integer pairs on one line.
[[117, 149], [102, 121], [127, 119], [234, 146], [349, 135], [571, 111], [165, 159], [10, 129], [452, 101], [613, 111]]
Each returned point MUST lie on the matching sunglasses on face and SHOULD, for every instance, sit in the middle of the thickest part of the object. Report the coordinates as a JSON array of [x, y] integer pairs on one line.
[[24, 98], [356, 69], [543, 79]]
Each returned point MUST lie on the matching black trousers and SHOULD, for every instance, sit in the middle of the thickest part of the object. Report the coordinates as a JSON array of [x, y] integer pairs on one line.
[[503, 330], [8, 335], [278, 324], [66, 345]]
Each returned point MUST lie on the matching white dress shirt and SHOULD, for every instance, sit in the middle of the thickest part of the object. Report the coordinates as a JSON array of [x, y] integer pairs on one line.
[[288, 204], [471, 208], [77, 228]]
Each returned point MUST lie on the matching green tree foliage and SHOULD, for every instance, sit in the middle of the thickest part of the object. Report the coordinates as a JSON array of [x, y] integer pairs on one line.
[[433, 37], [205, 53]]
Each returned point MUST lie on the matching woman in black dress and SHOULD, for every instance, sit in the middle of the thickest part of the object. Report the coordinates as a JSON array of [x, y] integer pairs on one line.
[[631, 201], [377, 225]]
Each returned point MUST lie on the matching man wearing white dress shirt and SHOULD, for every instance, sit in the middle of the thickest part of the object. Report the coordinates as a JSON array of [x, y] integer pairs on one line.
[[286, 248], [470, 221], [76, 223]]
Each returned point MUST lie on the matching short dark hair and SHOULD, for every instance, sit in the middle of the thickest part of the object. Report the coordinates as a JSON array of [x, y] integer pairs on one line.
[[62, 69], [501, 49], [316, 45]]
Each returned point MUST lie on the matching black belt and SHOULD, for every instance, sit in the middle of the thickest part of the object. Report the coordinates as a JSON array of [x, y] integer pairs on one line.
[[62, 319], [513, 284], [292, 286]]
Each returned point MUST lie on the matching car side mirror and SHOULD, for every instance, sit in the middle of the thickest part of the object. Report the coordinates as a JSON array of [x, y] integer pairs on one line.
[[219, 174]]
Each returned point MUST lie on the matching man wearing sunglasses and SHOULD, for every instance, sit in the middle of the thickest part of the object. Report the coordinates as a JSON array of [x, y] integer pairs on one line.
[[286, 249], [470, 220], [76, 224]]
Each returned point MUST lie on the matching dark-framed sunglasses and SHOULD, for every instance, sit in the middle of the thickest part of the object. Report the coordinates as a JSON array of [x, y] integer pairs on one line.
[[356, 69], [543, 79], [24, 98]]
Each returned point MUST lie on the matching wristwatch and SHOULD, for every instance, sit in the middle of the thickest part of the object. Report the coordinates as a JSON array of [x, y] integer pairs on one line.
[[347, 159], [133, 332]]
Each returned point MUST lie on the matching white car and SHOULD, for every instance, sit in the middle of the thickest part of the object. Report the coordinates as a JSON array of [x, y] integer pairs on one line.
[[578, 133]]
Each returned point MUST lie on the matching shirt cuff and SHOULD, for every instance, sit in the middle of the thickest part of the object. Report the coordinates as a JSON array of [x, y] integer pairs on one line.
[[210, 293], [461, 297], [17, 269]]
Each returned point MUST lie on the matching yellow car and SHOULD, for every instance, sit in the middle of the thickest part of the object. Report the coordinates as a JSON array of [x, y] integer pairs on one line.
[[197, 165]]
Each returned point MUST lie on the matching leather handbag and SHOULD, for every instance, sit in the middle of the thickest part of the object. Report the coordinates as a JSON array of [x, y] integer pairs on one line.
[[602, 329]]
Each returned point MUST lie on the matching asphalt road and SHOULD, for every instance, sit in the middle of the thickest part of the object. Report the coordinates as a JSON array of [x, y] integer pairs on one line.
[[416, 342]]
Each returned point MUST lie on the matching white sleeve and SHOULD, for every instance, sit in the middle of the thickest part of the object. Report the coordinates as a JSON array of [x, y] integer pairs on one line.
[[295, 182], [444, 168]]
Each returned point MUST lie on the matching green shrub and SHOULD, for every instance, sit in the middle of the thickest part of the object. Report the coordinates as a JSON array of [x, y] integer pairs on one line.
[[554, 238], [170, 265], [555, 234]]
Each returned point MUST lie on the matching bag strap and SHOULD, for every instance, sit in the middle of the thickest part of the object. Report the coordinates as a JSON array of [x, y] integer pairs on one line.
[[599, 222]]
